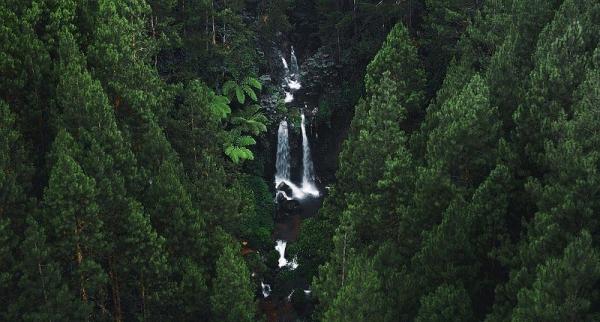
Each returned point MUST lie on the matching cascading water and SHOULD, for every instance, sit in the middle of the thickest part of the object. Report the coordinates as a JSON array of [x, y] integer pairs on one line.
[[265, 289], [280, 248], [282, 163], [293, 201], [308, 171], [291, 79], [294, 71], [294, 64]]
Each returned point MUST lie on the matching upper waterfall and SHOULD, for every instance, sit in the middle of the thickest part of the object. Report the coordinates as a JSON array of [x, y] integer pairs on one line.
[[291, 78]]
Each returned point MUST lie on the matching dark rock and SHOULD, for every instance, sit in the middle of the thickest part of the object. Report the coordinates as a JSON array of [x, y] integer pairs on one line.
[[285, 188]]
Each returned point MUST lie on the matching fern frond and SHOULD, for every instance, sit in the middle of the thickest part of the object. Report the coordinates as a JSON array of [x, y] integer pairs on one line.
[[251, 81], [250, 92], [245, 140], [239, 93], [229, 87], [238, 154]]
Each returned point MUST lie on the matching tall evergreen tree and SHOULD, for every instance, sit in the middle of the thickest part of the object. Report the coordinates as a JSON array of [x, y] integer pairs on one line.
[[564, 289], [71, 217], [232, 297], [360, 297], [464, 142], [42, 294], [15, 175], [446, 303], [136, 260]]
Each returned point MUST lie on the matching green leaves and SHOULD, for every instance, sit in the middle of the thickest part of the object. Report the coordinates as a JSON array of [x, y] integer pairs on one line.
[[250, 120], [240, 90], [233, 298], [220, 107], [564, 289], [238, 153]]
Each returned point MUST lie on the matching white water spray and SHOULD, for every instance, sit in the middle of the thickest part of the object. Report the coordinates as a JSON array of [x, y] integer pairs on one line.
[[266, 289], [291, 79]]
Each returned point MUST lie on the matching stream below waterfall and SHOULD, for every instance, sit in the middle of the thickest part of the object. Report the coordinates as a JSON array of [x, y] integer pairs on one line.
[[294, 200]]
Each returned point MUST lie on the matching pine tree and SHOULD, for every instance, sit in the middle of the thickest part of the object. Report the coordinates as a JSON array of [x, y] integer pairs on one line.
[[232, 297], [444, 21], [446, 303], [377, 170], [136, 261], [465, 140], [399, 58], [548, 146], [561, 58], [194, 131], [360, 297], [172, 213], [564, 289], [42, 293], [76, 235], [15, 174]]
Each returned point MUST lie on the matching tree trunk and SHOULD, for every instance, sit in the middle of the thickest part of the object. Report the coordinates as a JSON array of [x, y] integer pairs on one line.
[[114, 279], [214, 31]]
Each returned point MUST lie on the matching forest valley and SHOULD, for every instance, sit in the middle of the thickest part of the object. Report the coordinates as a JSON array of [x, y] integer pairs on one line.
[[300, 160]]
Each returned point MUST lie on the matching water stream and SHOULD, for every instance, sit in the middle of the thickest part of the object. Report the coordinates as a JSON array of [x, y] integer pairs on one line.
[[294, 199]]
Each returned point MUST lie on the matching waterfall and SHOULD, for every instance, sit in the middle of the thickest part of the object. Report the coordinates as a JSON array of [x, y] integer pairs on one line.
[[266, 289], [308, 171], [282, 163], [285, 65], [295, 71], [280, 248], [291, 78]]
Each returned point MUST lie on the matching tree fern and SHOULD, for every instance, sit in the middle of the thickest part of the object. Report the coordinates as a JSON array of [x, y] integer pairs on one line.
[[246, 87], [238, 154], [219, 106]]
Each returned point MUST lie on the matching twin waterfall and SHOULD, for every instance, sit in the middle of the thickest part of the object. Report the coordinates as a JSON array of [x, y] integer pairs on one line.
[[291, 83], [282, 164], [283, 179]]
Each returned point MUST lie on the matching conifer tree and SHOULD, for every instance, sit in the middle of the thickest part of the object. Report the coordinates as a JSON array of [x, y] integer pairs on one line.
[[75, 230], [564, 289], [446, 303], [360, 297], [14, 180], [465, 139], [232, 297], [376, 169], [136, 261], [42, 294], [562, 55]]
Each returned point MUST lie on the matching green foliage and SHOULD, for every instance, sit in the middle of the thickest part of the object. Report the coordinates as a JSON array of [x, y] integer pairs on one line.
[[564, 287], [466, 189], [232, 298], [75, 230], [446, 303], [242, 89], [256, 223], [467, 133], [360, 297]]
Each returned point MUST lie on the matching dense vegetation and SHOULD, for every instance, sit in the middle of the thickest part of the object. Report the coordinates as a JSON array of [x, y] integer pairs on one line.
[[135, 169]]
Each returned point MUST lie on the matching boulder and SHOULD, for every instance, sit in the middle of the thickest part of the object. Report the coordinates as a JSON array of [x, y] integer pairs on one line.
[[282, 186]]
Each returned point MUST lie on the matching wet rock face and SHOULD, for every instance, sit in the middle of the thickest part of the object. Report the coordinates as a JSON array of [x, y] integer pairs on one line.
[[283, 186]]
